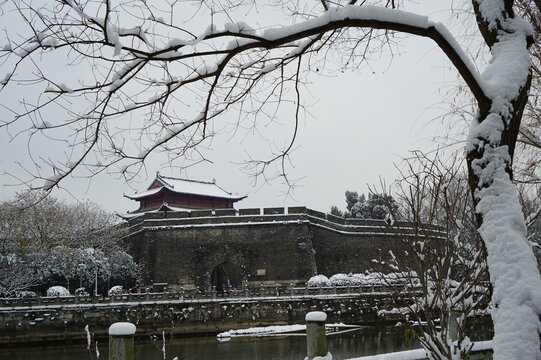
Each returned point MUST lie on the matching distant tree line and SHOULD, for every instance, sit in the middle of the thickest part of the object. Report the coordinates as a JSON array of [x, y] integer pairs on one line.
[[382, 206], [45, 242], [375, 206]]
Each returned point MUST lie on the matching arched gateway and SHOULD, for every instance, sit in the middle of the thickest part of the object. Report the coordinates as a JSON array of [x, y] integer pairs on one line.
[[224, 277]]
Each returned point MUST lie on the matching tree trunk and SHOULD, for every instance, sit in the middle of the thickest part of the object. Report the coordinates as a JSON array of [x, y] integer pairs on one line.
[[516, 284]]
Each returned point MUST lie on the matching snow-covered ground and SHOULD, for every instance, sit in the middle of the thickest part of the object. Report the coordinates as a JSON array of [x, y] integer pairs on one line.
[[419, 354]]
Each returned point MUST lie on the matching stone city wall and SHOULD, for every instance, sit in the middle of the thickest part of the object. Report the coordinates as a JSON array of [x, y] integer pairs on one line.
[[199, 249]]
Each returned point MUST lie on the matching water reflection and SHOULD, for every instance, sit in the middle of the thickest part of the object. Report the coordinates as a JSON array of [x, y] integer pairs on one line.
[[356, 343]]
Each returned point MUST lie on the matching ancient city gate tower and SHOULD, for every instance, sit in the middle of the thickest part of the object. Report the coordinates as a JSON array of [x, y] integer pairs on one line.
[[174, 194], [214, 246]]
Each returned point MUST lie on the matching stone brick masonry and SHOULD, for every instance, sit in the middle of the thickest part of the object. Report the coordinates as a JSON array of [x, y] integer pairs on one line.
[[205, 249]]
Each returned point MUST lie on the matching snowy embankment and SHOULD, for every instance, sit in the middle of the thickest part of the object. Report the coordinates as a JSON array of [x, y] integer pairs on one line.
[[419, 354], [283, 330]]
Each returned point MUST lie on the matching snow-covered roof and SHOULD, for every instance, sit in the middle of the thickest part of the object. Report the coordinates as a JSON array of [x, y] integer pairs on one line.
[[185, 186], [144, 193], [163, 207], [167, 207]]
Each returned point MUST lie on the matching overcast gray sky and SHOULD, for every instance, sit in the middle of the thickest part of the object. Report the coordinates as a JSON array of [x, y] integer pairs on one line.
[[359, 126]]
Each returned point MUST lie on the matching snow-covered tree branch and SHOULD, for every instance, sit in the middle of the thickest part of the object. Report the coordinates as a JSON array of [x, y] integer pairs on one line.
[[439, 252], [146, 81], [137, 69]]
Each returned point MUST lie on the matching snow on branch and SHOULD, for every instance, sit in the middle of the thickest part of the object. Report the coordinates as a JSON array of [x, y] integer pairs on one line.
[[150, 67]]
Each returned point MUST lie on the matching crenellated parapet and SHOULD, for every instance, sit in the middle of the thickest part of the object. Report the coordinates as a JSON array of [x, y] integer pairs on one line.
[[154, 221]]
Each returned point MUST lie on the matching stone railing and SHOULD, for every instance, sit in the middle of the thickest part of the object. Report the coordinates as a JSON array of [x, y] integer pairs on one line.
[[248, 293]]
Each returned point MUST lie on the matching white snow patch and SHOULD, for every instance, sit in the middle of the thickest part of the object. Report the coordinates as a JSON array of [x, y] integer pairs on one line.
[[55, 291], [419, 354], [88, 338], [176, 42], [509, 68], [458, 49], [318, 281], [316, 316], [65, 88], [5, 79], [267, 68], [274, 329], [116, 290], [326, 357], [113, 37], [365, 12], [240, 27], [122, 328]]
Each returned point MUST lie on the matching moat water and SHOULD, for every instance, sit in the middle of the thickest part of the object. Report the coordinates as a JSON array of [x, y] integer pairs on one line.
[[362, 342], [343, 346]]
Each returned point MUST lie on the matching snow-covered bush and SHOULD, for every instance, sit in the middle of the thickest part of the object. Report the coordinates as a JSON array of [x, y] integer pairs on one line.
[[92, 259], [347, 279], [16, 275], [318, 281], [116, 290], [81, 292], [55, 291], [123, 269], [27, 294], [402, 278], [391, 279], [64, 264]]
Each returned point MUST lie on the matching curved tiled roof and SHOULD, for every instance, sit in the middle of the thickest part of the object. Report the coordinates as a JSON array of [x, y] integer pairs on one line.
[[185, 186]]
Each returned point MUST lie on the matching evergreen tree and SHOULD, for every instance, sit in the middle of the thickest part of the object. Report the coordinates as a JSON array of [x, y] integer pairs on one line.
[[358, 206], [336, 211]]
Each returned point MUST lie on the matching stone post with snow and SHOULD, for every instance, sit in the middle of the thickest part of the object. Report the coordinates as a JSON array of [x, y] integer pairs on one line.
[[316, 340], [121, 341]]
